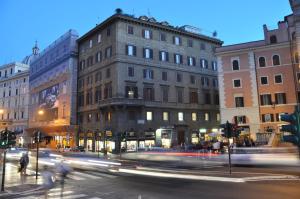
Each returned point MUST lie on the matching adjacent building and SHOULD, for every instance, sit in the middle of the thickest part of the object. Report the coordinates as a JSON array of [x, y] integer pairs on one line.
[[259, 80], [14, 98], [146, 83], [53, 85]]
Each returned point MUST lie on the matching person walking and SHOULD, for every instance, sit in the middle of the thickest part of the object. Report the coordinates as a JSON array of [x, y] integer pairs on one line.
[[26, 162], [48, 180], [22, 162]]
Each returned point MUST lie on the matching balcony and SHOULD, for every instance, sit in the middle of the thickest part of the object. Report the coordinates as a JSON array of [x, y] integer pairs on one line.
[[159, 104]]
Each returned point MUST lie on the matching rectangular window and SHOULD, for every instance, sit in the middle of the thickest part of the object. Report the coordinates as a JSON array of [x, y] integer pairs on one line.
[[130, 50], [239, 101], [264, 80], [214, 65], [130, 71], [130, 30], [177, 59], [237, 83], [149, 94], [192, 79], [108, 116], [193, 97], [206, 116], [267, 118], [148, 74], [108, 91], [218, 117], [176, 40], [165, 116], [98, 57], [179, 77], [108, 32], [165, 93], [163, 37], [194, 117], [204, 63], [148, 53], [190, 43], [164, 76], [99, 38], [98, 76], [215, 83], [180, 95], [191, 61], [108, 52], [147, 34], [149, 115], [205, 81], [89, 117], [131, 92], [91, 43], [240, 119], [280, 98], [207, 98], [163, 56], [278, 79], [180, 116], [265, 100], [98, 94]]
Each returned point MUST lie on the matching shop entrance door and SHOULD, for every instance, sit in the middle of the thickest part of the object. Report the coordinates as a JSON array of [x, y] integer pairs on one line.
[[180, 137]]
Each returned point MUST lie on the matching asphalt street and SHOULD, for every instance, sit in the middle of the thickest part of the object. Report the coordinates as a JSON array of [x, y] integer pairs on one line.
[[98, 185]]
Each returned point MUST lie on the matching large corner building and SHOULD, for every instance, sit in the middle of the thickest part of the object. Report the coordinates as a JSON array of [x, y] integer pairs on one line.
[[152, 82]]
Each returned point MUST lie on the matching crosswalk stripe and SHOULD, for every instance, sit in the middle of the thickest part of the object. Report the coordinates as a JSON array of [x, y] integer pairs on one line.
[[95, 198], [60, 193], [75, 177], [72, 196], [87, 175], [103, 174]]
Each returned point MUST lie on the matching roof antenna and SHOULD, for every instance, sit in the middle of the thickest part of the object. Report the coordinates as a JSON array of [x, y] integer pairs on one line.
[[148, 11]]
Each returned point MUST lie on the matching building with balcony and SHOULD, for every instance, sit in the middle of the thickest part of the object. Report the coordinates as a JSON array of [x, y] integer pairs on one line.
[[151, 82], [14, 99], [259, 80], [53, 84]]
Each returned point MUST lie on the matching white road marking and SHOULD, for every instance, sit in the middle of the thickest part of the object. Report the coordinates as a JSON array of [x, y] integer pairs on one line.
[[75, 177], [71, 196], [103, 174], [95, 198], [86, 175], [60, 193]]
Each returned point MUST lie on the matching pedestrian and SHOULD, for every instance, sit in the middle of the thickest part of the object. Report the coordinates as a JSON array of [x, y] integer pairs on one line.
[[21, 168], [48, 180], [26, 162]]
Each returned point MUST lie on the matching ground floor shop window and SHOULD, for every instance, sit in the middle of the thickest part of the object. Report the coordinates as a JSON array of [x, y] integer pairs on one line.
[[131, 145], [89, 144], [81, 142]]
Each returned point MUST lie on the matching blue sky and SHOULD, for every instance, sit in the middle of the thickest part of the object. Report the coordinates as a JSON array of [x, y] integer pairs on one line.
[[24, 21]]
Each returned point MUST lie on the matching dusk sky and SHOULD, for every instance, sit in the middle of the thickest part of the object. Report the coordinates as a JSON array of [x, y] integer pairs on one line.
[[23, 22]]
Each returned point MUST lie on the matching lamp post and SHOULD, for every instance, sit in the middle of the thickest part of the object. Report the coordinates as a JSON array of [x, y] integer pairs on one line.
[[38, 137]]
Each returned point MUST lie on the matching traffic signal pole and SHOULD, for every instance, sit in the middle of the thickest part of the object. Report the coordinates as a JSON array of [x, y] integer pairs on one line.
[[37, 156], [229, 158], [3, 170]]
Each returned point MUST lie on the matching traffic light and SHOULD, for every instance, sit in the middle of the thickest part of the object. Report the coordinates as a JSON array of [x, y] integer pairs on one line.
[[7, 138], [293, 128], [227, 129]]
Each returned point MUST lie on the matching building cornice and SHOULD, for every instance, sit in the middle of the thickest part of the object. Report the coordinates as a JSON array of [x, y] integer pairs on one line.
[[255, 49], [123, 17]]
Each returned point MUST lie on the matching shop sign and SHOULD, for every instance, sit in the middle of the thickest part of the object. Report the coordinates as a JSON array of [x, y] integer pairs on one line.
[[202, 130], [108, 133]]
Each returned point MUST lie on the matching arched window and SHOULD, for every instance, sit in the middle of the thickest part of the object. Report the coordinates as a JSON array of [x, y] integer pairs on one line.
[[273, 39], [296, 58], [276, 60], [235, 65], [262, 62]]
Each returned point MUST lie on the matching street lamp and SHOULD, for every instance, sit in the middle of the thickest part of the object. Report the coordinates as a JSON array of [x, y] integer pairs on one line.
[[40, 112], [1, 111]]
